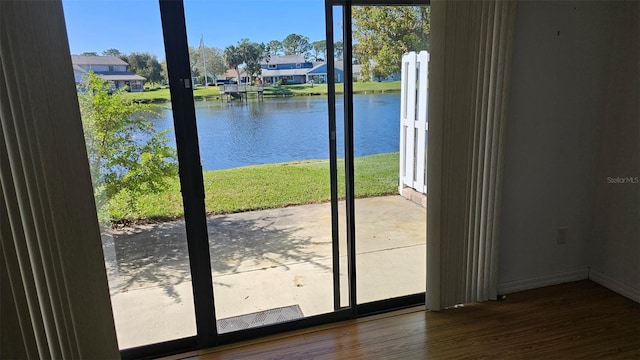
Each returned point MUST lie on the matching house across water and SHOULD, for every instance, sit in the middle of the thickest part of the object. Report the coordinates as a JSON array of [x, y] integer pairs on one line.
[[294, 69], [110, 68]]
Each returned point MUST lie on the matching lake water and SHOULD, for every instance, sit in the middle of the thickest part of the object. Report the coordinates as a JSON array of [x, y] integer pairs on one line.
[[285, 129]]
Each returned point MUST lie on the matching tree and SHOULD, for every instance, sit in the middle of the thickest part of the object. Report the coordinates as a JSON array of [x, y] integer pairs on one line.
[[319, 50], [384, 33], [214, 62], [126, 155], [295, 44], [233, 59], [89, 53], [338, 50], [164, 73], [252, 54], [274, 48], [111, 52], [145, 65]]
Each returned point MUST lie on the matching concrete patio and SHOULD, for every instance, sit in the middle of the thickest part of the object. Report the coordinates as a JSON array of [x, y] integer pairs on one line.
[[262, 260]]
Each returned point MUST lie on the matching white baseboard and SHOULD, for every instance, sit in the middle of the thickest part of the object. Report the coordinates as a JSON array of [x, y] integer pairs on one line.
[[538, 282], [615, 285]]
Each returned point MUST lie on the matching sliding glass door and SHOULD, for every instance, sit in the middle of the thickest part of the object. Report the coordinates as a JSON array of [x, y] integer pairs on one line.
[[253, 188], [386, 213], [265, 159], [390, 213], [132, 155]]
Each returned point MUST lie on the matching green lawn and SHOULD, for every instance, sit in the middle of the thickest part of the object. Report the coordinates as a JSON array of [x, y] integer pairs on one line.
[[162, 94], [265, 187], [369, 87]]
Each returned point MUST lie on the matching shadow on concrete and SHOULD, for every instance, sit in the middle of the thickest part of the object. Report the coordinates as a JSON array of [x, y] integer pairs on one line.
[[232, 241], [156, 255], [147, 256]]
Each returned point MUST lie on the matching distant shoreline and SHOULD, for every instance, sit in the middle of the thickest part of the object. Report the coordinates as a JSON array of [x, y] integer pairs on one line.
[[162, 95]]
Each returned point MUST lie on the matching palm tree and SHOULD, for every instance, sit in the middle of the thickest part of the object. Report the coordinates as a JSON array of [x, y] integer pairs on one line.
[[233, 59]]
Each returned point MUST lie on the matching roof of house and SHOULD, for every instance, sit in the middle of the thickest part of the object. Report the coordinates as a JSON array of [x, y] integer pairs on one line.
[[231, 73], [319, 68], [111, 75], [97, 60], [79, 68], [287, 59]]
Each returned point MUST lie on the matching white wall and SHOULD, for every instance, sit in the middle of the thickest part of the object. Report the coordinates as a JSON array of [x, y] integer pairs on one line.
[[614, 249], [559, 81]]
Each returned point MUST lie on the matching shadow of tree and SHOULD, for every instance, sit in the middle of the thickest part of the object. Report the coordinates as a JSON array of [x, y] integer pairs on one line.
[[260, 240], [157, 255], [149, 255]]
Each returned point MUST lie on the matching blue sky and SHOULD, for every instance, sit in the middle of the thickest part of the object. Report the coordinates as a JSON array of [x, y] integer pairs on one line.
[[134, 25]]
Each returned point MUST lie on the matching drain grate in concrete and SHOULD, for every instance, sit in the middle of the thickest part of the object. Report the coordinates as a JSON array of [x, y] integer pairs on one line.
[[260, 318]]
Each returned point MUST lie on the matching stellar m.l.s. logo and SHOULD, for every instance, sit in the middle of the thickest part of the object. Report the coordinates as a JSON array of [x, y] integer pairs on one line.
[[624, 180]]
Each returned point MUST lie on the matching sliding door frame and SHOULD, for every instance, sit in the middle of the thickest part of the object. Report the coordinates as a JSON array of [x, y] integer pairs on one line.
[[192, 187], [190, 168], [347, 41]]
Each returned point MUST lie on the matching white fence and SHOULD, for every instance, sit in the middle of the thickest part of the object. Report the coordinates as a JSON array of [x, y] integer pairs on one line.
[[413, 121]]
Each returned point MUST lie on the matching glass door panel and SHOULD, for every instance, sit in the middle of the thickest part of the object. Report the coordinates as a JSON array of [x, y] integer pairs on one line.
[[118, 67], [390, 216], [260, 85]]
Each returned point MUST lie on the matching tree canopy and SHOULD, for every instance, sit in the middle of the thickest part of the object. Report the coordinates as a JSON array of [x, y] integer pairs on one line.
[[319, 50], [295, 44], [233, 58], [111, 52], [214, 62], [164, 73], [384, 33], [248, 53], [274, 48], [252, 54], [144, 64], [126, 155], [338, 49]]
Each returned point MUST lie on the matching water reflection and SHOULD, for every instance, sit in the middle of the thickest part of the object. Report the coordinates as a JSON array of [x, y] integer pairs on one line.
[[285, 129]]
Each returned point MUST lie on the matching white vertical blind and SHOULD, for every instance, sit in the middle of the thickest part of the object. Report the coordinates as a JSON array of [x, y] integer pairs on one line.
[[54, 298], [471, 47]]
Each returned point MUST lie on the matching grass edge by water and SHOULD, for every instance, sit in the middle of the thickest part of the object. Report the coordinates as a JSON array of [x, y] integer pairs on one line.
[[260, 187]]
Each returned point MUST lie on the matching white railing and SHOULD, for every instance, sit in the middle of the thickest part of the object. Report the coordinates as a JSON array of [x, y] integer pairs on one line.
[[227, 88], [414, 121]]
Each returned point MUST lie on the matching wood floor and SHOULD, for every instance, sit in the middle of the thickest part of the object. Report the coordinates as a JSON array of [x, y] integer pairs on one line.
[[580, 320]]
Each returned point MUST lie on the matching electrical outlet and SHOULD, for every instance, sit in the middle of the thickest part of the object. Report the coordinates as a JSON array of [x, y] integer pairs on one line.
[[562, 235]]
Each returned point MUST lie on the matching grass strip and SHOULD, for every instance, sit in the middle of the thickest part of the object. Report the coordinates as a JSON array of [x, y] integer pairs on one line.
[[265, 187]]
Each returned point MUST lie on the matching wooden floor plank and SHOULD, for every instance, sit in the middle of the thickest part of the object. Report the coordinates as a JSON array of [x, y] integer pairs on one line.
[[568, 321]]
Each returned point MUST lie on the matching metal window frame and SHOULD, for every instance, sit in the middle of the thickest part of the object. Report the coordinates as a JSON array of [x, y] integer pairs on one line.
[[190, 168]]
